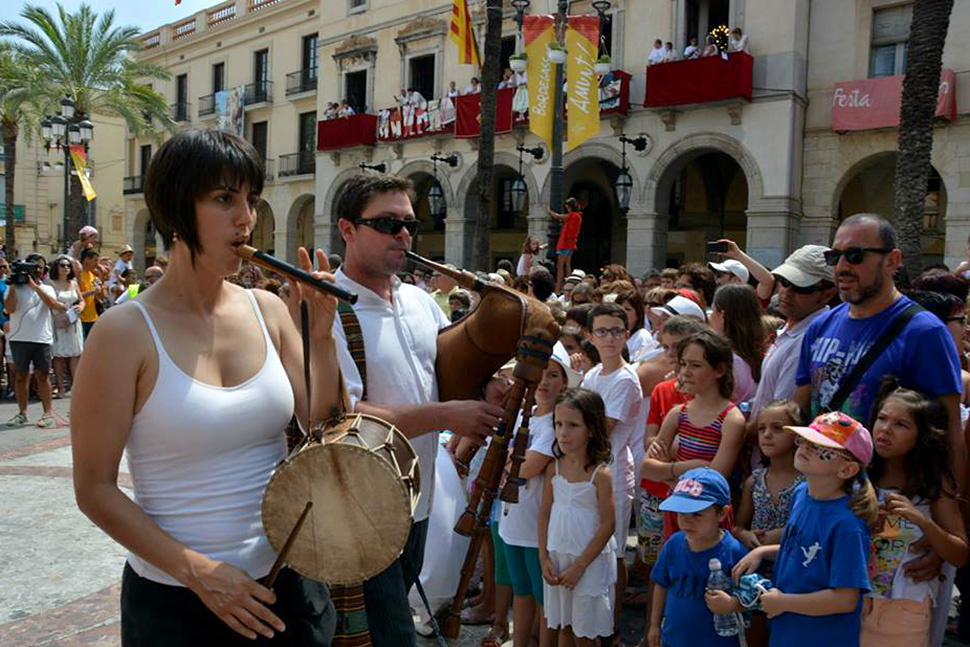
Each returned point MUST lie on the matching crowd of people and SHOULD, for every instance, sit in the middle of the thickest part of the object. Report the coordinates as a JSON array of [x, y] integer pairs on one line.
[[666, 52], [803, 425], [49, 308], [787, 443]]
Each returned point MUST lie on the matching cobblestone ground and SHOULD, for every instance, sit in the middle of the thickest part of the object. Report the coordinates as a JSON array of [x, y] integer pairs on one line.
[[60, 574]]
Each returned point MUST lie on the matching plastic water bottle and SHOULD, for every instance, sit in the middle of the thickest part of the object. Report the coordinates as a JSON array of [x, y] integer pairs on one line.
[[726, 624]]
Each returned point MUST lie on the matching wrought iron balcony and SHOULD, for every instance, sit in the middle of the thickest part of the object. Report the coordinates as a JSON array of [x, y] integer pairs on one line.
[[301, 81], [132, 185], [301, 163], [207, 105], [180, 111], [259, 92]]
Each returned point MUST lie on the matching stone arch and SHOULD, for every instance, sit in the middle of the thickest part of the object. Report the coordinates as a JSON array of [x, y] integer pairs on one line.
[[144, 240], [329, 208], [862, 188], [676, 156], [426, 166], [601, 152], [263, 234], [504, 159], [299, 225]]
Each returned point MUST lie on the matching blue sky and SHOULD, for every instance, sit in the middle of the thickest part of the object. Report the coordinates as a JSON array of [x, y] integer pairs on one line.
[[144, 14]]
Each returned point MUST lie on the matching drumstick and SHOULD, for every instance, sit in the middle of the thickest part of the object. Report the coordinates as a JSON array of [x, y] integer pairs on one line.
[[287, 545], [257, 257]]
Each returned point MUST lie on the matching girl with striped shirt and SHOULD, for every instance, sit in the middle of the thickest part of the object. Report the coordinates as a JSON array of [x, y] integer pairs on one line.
[[709, 428]]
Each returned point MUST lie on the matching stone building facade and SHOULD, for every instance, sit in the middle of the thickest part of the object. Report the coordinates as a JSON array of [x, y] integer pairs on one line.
[[767, 171]]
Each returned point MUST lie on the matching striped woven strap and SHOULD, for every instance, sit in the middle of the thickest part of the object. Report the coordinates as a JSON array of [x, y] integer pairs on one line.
[[351, 630], [355, 341]]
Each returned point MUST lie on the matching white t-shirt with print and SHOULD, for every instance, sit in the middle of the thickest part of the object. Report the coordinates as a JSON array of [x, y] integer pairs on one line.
[[519, 522], [623, 398]]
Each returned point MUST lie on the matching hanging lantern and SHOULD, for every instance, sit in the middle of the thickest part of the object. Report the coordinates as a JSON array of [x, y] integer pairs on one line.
[[624, 189], [436, 200], [519, 193]]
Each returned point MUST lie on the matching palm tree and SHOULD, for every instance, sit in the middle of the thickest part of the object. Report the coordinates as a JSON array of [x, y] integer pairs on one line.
[[927, 34], [20, 92], [86, 57], [486, 139]]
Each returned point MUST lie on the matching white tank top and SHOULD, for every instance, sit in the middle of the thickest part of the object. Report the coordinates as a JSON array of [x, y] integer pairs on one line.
[[200, 457]]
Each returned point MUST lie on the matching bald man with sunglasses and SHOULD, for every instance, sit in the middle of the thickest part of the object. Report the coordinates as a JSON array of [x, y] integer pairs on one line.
[[922, 355]]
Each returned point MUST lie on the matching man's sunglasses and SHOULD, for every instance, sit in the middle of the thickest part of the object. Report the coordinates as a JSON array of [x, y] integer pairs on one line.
[[853, 255], [389, 226], [788, 285]]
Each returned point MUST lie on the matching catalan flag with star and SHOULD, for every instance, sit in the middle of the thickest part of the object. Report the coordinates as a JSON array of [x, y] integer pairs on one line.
[[463, 35]]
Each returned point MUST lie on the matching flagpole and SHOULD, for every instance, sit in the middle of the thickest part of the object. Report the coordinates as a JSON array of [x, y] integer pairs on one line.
[[555, 169]]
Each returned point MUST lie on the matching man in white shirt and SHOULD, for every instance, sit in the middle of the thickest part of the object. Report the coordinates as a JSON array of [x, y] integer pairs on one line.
[[399, 324], [657, 53], [473, 87], [692, 50], [804, 289], [738, 41], [31, 336]]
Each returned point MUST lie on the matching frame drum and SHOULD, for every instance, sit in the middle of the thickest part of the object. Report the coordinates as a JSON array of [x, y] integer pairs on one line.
[[364, 481]]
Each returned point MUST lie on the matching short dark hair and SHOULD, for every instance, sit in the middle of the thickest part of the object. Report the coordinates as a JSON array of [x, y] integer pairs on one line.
[[543, 284], [88, 253], [505, 264], [607, 309], [359, 190], [34, 258], [189, 165], [887, 233]]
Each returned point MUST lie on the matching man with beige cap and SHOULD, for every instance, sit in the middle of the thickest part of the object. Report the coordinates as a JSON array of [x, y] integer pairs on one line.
[[804, 289]]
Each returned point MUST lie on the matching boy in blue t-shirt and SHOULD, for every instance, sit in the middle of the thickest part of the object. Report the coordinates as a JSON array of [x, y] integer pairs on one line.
[[680, 574]]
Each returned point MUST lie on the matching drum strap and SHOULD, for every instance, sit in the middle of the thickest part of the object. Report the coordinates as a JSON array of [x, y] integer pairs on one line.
[[355, 341]]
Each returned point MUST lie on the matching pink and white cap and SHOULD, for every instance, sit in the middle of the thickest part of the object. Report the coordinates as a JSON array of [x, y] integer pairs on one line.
[[838, 431]]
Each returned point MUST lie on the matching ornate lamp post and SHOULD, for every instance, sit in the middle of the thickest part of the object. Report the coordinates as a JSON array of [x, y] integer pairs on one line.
[[624, 181], [436, 196], [61, 132]]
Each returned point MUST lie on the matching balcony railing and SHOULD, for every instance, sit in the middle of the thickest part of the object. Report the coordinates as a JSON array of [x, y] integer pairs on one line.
[[181, 110], [222, 14], [151, 41], [183, 29], [301, 81], [260, 92], [301, 163], [207, 105], [132, 184], [257, 5], [269, 167]]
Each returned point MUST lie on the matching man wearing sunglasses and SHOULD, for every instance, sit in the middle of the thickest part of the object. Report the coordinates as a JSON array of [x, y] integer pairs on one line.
[[921, 355], [804, 287], [399, 324]]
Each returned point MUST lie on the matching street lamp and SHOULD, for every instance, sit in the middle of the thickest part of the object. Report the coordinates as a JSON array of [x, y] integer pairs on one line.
[[436, 195], [624, 181], [380, 168], [520, 6], [519, 189], [601, 7], [61, 132]]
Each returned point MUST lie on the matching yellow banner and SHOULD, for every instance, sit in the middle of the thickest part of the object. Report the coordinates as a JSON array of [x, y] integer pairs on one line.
[[538, 33], [582, 84], [80, 160]]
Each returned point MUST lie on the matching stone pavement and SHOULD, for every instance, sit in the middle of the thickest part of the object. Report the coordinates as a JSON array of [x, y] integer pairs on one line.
[[60, 574]]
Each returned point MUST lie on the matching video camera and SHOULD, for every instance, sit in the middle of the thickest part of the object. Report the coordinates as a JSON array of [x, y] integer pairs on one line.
[[20, 272]]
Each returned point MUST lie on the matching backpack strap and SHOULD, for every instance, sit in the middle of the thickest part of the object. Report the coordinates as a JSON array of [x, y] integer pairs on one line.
[[355, 341], [851, 381]]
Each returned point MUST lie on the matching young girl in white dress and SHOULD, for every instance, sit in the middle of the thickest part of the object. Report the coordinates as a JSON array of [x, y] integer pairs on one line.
[[576, 544]]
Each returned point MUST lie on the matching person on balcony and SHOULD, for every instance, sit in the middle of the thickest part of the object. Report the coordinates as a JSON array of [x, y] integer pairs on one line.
[[508, 79], [710, 47], [657, 54], [474, 86], [345, 109], [738, 41], [330, 112], [670, 54], [692, 51]]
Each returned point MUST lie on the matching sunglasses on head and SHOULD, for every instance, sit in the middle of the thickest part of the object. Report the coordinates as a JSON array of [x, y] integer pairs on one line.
[[853, 255], [788, 285], [389, 226]]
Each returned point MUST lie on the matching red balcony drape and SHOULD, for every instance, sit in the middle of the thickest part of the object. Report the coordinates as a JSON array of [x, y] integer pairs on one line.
[[344, 132], [699, 80]]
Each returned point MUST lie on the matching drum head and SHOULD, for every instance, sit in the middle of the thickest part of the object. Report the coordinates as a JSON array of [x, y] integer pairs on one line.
[[360, 520]]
